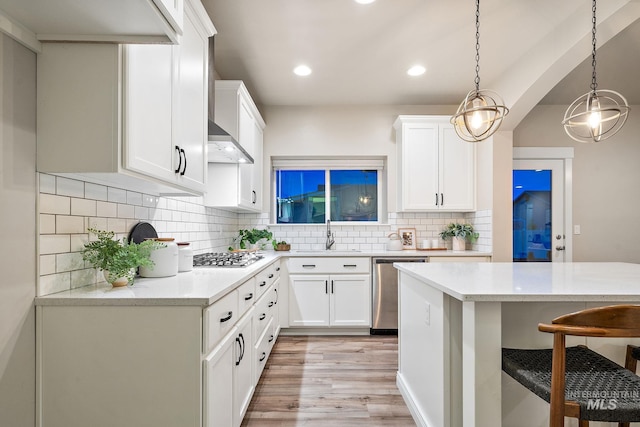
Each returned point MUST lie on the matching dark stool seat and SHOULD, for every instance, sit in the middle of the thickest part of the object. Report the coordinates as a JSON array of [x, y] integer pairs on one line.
[[635, 353], [595, 383]]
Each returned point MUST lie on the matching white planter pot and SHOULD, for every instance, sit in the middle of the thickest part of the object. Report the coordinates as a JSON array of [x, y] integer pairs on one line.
[[459, 244]]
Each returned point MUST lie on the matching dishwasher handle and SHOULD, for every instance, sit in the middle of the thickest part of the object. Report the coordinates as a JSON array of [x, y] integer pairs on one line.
[[392, 260]]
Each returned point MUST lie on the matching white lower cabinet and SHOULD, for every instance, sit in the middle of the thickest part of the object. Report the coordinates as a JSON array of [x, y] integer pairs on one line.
[[162, 366], [332, 292], [243, 378]]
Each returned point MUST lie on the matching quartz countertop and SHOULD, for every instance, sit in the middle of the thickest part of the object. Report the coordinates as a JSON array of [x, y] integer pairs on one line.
[[204, 285], [580, 281]]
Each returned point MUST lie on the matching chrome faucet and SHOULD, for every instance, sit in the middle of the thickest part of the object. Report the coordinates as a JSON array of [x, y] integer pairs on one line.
[[330, 236]]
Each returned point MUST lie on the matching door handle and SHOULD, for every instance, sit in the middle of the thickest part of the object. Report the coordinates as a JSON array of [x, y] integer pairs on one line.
[[184, 154], [177, 170]]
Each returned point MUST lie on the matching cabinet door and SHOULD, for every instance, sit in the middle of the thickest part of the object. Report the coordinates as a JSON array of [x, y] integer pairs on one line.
[[191, 113], [308, 300], [246, 139], [350, 300], [243, 378], [149, 75], [218, 385], [419, 167], [457, 171], [257, 167]]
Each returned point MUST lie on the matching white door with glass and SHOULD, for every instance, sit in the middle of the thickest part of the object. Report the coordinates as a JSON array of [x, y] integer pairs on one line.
[[539, 233]]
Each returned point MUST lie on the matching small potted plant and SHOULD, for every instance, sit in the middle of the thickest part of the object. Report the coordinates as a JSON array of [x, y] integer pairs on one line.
[[118, 259], [252, 238], [281, 245], [459, 233]]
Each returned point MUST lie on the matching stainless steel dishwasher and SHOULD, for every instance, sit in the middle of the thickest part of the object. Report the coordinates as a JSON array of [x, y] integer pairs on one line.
[[384, 312]]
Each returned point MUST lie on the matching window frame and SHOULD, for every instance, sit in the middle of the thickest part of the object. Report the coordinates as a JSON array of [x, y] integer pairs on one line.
[[327, 165]]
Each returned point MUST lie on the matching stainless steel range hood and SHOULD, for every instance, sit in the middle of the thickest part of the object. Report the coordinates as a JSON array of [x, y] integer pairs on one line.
[[222, 147]]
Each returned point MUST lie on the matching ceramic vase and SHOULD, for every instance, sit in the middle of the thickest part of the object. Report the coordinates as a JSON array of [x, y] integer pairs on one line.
[[459, 244], [117, 282]]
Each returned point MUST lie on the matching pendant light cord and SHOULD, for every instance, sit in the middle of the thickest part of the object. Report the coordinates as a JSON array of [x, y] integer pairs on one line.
[[477, 80], [594, 83]]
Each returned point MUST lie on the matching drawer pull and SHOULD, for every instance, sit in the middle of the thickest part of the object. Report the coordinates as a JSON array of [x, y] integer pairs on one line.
[[308, 265], [271, 276], [226, 319], [332, 286], [277, 296], [264, 356], [278, 269], [248, 297], [349, 265], [263, 284], [262, 316], [271, 338], [270, 304]]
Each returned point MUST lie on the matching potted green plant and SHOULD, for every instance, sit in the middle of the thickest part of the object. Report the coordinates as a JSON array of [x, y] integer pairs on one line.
[[253, 237], [118, 259], [281, 245], [459, 233]]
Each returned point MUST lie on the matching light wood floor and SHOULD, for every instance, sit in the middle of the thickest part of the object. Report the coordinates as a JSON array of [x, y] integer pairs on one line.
[[330, 381]]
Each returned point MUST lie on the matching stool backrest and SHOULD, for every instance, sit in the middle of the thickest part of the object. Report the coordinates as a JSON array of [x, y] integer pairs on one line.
[[610, 321]]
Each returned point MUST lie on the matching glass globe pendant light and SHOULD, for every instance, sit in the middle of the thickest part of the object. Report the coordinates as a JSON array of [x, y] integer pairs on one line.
[[598, 114], [481, 112]]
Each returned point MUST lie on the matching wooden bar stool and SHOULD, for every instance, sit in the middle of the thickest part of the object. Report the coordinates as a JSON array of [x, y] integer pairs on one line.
[[576, 381]]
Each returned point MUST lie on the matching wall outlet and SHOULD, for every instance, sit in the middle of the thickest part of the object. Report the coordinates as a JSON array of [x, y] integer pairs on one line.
[[576, 229], [427, 313]]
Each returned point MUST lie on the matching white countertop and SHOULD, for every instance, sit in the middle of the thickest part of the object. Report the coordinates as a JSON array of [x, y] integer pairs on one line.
[[590, 281], [204, 285]]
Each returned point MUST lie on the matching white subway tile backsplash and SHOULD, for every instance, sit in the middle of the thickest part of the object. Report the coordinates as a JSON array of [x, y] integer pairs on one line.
[[54, 204], [83, 207], [79, 240], [69, 187], [53, 283], [47, 264], [116, 195], [47, 224], [107, 209], [126, 211], [134, 198], [69, 261], [47, 184], [84, 277], [95, 192], [69, 224], [117, 225], [54, 244]]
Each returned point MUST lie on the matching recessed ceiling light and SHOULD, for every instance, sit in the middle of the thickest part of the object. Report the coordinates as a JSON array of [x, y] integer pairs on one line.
[[365, 1], [416, 70], [302, 70]]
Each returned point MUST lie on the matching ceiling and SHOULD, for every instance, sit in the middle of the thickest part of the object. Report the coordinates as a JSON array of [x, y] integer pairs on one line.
[[360, 53]]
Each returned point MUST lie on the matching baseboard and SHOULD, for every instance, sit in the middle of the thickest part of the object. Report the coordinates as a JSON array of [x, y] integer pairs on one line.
[[324, 331], [408, 399]]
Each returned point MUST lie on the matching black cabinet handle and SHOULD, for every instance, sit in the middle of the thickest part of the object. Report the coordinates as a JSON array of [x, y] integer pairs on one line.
[[308, 265], [263, 284], [332, 286], [436, 199], [240, 351], [248, 297], [184, 168], [326, 286], [179, 159], [349, 265], [270, 304], [271, 276], [271, 338], [277, 295], [262, 316], [278, 269], [227, 318], [441, 199], [264, 356], [254, 196], [242, 347]]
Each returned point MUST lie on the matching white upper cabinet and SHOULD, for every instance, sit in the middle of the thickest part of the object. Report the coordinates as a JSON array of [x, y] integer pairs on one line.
[[237, 186], [120, 21], [129, 115], [436, 169]]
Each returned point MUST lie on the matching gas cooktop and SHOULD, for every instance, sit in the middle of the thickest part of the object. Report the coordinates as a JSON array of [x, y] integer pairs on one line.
[[226, 259]]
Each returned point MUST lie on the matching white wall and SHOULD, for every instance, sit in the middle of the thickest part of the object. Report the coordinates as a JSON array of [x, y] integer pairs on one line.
[[606, 176], [18, 231]]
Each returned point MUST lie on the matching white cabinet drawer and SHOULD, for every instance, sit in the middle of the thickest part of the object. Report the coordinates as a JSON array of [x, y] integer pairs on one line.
[[323, 265], [266, 277], [219, 319], [263, 313], [246, 296], [263, 349]]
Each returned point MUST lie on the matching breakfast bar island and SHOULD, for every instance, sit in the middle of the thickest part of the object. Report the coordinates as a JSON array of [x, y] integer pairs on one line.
[[456, 317]]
